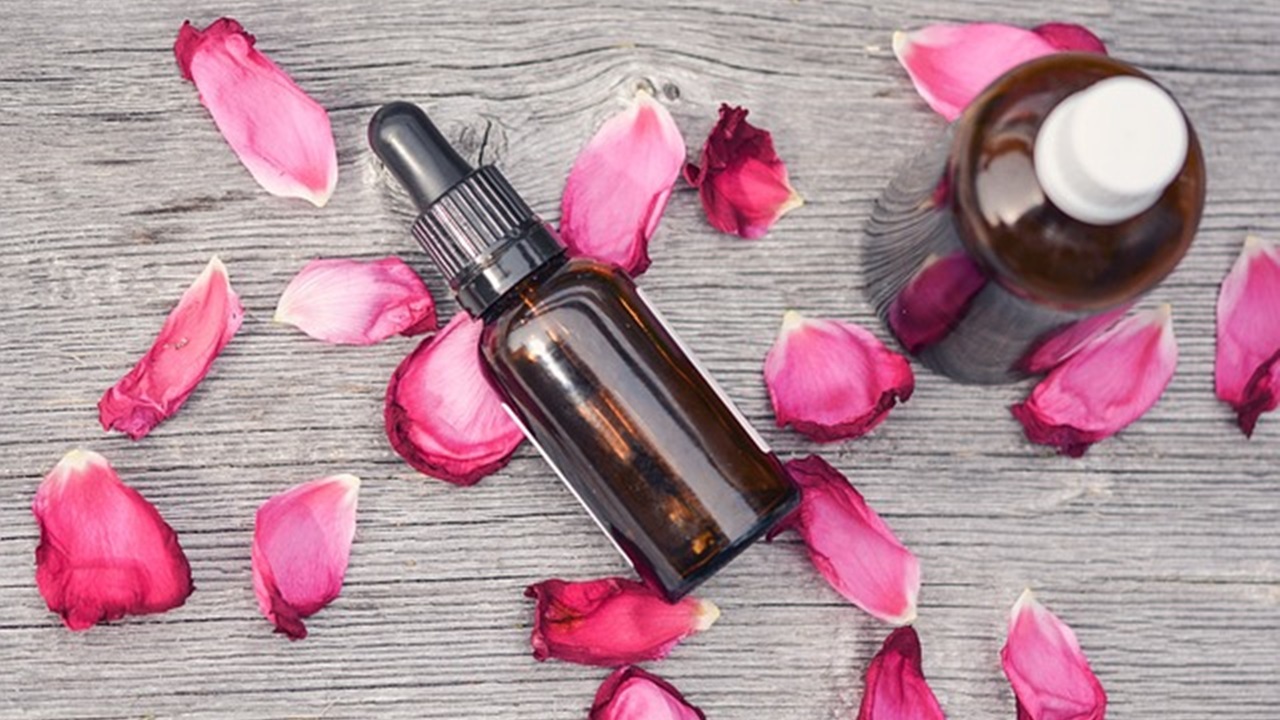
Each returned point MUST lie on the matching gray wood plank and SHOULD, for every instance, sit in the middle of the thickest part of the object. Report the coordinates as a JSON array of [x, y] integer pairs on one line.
[[1160, 547]]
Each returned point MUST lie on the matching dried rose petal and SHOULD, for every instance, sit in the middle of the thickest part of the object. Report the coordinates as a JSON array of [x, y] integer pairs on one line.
[[742, 182], [349, 302], [633, 694], [301, 544], [1049, 673], [1063, 342], [935, 300], [833, 380], [204, 321], [279, 133], [1248, 330], [853, 549], [1105, 386], [611, 621], [951, 64], [442, 416], [896, 688], [619, 185], [104, 551]]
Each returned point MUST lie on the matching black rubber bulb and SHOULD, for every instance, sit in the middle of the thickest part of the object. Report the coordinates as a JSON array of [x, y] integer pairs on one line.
[[413, 149]]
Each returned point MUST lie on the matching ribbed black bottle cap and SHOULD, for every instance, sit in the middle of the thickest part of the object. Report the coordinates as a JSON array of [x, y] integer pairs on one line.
[[475, 227]]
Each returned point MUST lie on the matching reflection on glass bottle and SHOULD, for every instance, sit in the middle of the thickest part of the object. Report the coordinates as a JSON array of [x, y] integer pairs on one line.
[[1069, 188]]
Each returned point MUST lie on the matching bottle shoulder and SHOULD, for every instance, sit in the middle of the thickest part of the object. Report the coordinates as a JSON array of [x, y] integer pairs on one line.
[[577, 286]]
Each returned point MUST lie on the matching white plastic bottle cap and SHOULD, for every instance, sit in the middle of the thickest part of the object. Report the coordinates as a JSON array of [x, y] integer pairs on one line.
[[1109, 151]]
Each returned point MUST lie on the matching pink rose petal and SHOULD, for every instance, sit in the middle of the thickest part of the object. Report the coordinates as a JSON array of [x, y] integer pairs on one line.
[[442, 416], [104, 551], [204, 321], [611, 621], [348, 302], [1109, 383], [1049, 673], [935, 300], [853, 549], [950, 65], [633, 694], [1248, 331], [280, 134], [1060, 344], [619, 186], [833, 380], [896, 688], [301, 544], [742, 183]]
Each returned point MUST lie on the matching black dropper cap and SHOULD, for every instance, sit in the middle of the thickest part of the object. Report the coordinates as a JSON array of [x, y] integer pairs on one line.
[[475, 227]]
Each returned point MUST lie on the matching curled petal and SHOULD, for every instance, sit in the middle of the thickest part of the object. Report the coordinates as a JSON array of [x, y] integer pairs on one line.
[[348, 302], [1105, 386], [1248, 330], [1262, 394], [279, 133], [204, 321], [442, 416], [611, 621], [833, 380], [633, 694], [104, 551], [619, 186], [853, 549], [1063, 342], [741, 182], [951, 64], [1049, 673], [935, 300], [301, 544], [896, 688]]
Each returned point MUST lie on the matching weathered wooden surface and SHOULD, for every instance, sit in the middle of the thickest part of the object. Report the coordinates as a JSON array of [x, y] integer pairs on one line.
[[1161, 547]]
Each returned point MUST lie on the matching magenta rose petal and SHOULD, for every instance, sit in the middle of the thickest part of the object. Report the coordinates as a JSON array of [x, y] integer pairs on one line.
[[935, 300], [741, 181], [850, 545], [193, 334], [619, 185], [280, 134], [442, 415], [301, 545], [349, 302], [896, 688], [104, 551], [833, 380], [1070, 37], [1262, 395], [1248, 333], [1050, 675], [611, 621], [630, 693], [951, 64], [1105, 386]]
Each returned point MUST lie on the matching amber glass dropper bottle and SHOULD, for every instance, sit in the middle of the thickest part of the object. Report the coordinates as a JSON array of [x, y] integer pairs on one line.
[[647, 442]]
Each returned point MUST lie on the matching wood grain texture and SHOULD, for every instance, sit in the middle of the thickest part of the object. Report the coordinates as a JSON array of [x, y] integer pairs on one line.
[[1160, 547]]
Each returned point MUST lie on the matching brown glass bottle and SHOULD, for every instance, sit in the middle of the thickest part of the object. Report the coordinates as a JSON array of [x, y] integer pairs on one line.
[[644, 438], [978, 197], [600, 385]]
